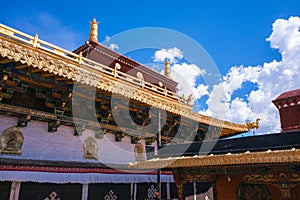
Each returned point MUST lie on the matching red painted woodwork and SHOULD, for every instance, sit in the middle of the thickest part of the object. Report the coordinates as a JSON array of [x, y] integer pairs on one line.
[[101, 54], [288, 104]]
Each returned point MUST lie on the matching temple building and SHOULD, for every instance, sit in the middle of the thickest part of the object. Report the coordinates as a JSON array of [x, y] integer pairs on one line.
[[94, 124]]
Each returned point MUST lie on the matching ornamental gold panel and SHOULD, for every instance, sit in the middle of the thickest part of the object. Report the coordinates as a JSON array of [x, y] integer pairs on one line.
[[272, 177], [199, 177]]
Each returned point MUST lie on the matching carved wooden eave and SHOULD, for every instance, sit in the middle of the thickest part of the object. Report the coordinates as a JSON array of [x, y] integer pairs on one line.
[[78, 69], [247, 158]]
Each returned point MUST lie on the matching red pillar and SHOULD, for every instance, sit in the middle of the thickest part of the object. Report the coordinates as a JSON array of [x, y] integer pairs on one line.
[[179, 181], [180, 191]]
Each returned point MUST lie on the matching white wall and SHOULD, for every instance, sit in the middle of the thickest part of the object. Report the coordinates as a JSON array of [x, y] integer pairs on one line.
[[39, 144]]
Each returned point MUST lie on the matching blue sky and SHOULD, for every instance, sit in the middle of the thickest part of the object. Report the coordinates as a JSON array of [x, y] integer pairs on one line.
[[233, 33]]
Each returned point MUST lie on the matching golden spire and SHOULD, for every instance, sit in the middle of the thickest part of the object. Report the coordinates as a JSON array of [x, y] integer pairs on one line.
[[94, 31], [167, 68]]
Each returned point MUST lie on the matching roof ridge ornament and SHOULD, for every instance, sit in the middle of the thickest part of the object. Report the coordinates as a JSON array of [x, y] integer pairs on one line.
[[167, 68], [94, 31]]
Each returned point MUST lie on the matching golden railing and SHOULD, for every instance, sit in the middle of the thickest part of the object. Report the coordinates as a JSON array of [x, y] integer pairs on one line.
[[35, 42]]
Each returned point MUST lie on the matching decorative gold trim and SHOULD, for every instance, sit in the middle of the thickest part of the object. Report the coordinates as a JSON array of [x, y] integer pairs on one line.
[[272, 178], [266, 157], [17, 109], [285, 189], [199, 177]]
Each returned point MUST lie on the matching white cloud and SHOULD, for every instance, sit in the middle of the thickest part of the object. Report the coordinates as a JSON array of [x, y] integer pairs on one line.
[[107, 38], [200, 91], [113, 47], [186, 76], [285, 36], [172, 54], [239, 109], [271, 78], [189, 72], [220, 102]]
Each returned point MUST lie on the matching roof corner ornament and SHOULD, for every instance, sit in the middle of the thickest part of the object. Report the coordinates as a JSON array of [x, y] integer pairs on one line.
[[181, 99], [190, 99], [94, 31], [140, 76], [80, 58], [167, 68], [253, 125], [117, 67], [35, 41]]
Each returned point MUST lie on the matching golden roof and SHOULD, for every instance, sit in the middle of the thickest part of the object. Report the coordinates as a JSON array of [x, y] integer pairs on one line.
[[41, 55], [246, 158]]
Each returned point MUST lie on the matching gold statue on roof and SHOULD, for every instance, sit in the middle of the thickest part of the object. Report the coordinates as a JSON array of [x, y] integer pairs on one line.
[[253, 125]]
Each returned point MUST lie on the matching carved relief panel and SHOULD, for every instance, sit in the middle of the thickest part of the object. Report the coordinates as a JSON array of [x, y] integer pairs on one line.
[[139, 152], [90, 147], [11, 141]]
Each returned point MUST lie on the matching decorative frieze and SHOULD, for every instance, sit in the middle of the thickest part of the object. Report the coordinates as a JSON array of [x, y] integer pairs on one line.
[[286, 176], [265, 157]]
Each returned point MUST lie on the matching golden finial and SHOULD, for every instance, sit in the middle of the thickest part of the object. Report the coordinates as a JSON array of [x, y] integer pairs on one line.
[[167, 62], [94, 31], [167, 68]]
